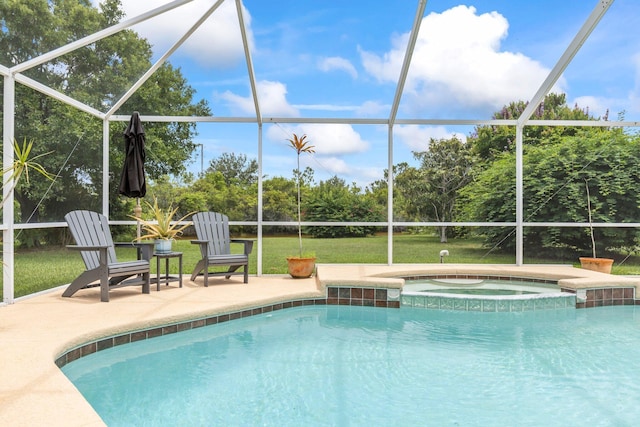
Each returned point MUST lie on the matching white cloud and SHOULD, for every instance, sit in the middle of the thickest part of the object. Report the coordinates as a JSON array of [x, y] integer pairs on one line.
[[597, 106], [217, 42], [327, 139], [372, 109], [417, 137], [334, 139], [457, 60], [335, 166], [337, 63], [326, 107], [273, 101]]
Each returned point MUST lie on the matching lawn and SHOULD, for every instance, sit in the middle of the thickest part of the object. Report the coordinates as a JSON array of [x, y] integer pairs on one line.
[[37, 270]]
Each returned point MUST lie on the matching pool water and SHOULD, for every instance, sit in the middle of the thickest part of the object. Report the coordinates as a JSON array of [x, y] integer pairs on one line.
[[363, 366], [479, 287], [478, 291]]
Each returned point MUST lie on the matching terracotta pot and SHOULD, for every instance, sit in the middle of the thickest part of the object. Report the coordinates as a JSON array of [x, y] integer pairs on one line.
[[300, 268], [603, 265]]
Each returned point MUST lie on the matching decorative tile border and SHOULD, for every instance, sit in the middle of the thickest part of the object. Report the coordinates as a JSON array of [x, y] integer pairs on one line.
[[368, 297], [374, 297], [601, 297], [481, 277], [488, 303], [585, 298]]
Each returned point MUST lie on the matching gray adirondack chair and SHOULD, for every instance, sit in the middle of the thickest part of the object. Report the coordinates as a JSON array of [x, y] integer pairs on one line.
[[212, 232], [93, 239]]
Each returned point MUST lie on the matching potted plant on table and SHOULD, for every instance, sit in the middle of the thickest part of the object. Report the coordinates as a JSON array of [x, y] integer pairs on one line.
[[162, 228], [300, 266], [603, 265]]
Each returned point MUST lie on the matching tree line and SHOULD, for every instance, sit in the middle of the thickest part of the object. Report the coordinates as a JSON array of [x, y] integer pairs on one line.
[[459, 181]]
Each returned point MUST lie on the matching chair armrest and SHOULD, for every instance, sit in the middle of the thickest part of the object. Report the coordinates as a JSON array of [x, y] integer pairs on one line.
[[204, 245], [102, 252], [248, 244], [144, 249], [86, 248]]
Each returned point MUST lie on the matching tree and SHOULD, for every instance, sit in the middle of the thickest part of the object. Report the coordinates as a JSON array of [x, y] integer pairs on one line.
[[300, 145], [238, 202], [334, 201], [235, 168], [490, 140], [431, 191], [278, 200], [96, 75], [554, 191]]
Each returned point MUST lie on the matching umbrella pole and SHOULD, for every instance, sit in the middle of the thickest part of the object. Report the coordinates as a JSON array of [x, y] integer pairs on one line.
[[137, 212]]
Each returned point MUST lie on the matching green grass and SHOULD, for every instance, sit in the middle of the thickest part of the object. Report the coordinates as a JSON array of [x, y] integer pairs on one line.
[[37, 270]]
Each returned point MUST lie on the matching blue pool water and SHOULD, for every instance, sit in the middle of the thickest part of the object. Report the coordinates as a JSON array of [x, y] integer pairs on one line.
[[365, 366]]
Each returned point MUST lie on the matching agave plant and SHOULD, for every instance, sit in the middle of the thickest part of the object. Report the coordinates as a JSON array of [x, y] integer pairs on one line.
[[300, 145], [162, 226], [23, 162]]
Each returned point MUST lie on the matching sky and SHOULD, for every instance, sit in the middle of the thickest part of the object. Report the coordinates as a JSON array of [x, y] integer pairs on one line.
[[342, 59]]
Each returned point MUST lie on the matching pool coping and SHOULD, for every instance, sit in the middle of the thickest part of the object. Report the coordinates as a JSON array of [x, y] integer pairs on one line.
[[36, 331]]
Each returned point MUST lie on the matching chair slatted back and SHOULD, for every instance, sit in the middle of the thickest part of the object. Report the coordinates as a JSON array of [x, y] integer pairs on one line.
[[91, 229], [214, 228]]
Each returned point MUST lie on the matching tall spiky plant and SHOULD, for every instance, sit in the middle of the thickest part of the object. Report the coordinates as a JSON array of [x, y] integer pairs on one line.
[[300, 145], [593, 240], [22, 163], [162, 226]]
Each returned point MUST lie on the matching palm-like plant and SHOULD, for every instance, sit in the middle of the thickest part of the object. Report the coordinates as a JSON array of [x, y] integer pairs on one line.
[[300, 145], [22, 163], [593, 240], [162, 226]]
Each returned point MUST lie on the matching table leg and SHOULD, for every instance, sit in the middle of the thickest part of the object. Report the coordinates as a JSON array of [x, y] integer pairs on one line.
[[166, 271], [180, 269], [157, 273]]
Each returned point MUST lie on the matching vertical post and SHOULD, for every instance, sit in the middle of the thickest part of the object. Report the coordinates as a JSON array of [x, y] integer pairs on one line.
[[519, 197], [259, 236], [390, 198], [8, 136], [105, 167]]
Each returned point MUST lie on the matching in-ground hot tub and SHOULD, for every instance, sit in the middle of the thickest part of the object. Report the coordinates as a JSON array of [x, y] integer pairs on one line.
[[485, 294]]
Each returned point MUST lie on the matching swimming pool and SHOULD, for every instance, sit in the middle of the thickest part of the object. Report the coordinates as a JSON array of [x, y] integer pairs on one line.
[[338, 365]]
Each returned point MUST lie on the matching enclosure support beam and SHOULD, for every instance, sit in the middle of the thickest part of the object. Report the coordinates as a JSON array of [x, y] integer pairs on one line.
[[573, 48], [8, 126], [248, 60], [413, 37], [162, 60], [260, 201], [53, 54], [519, 197], [390, 179], [105, 167]]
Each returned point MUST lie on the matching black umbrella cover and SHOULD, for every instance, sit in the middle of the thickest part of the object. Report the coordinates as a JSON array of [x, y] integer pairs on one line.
[[132, 180]]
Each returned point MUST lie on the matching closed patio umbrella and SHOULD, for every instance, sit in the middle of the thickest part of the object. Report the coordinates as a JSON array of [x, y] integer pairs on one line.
[[132, 180]]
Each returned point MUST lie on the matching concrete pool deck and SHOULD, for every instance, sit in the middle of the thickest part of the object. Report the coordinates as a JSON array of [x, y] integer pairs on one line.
[[36, 330]]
